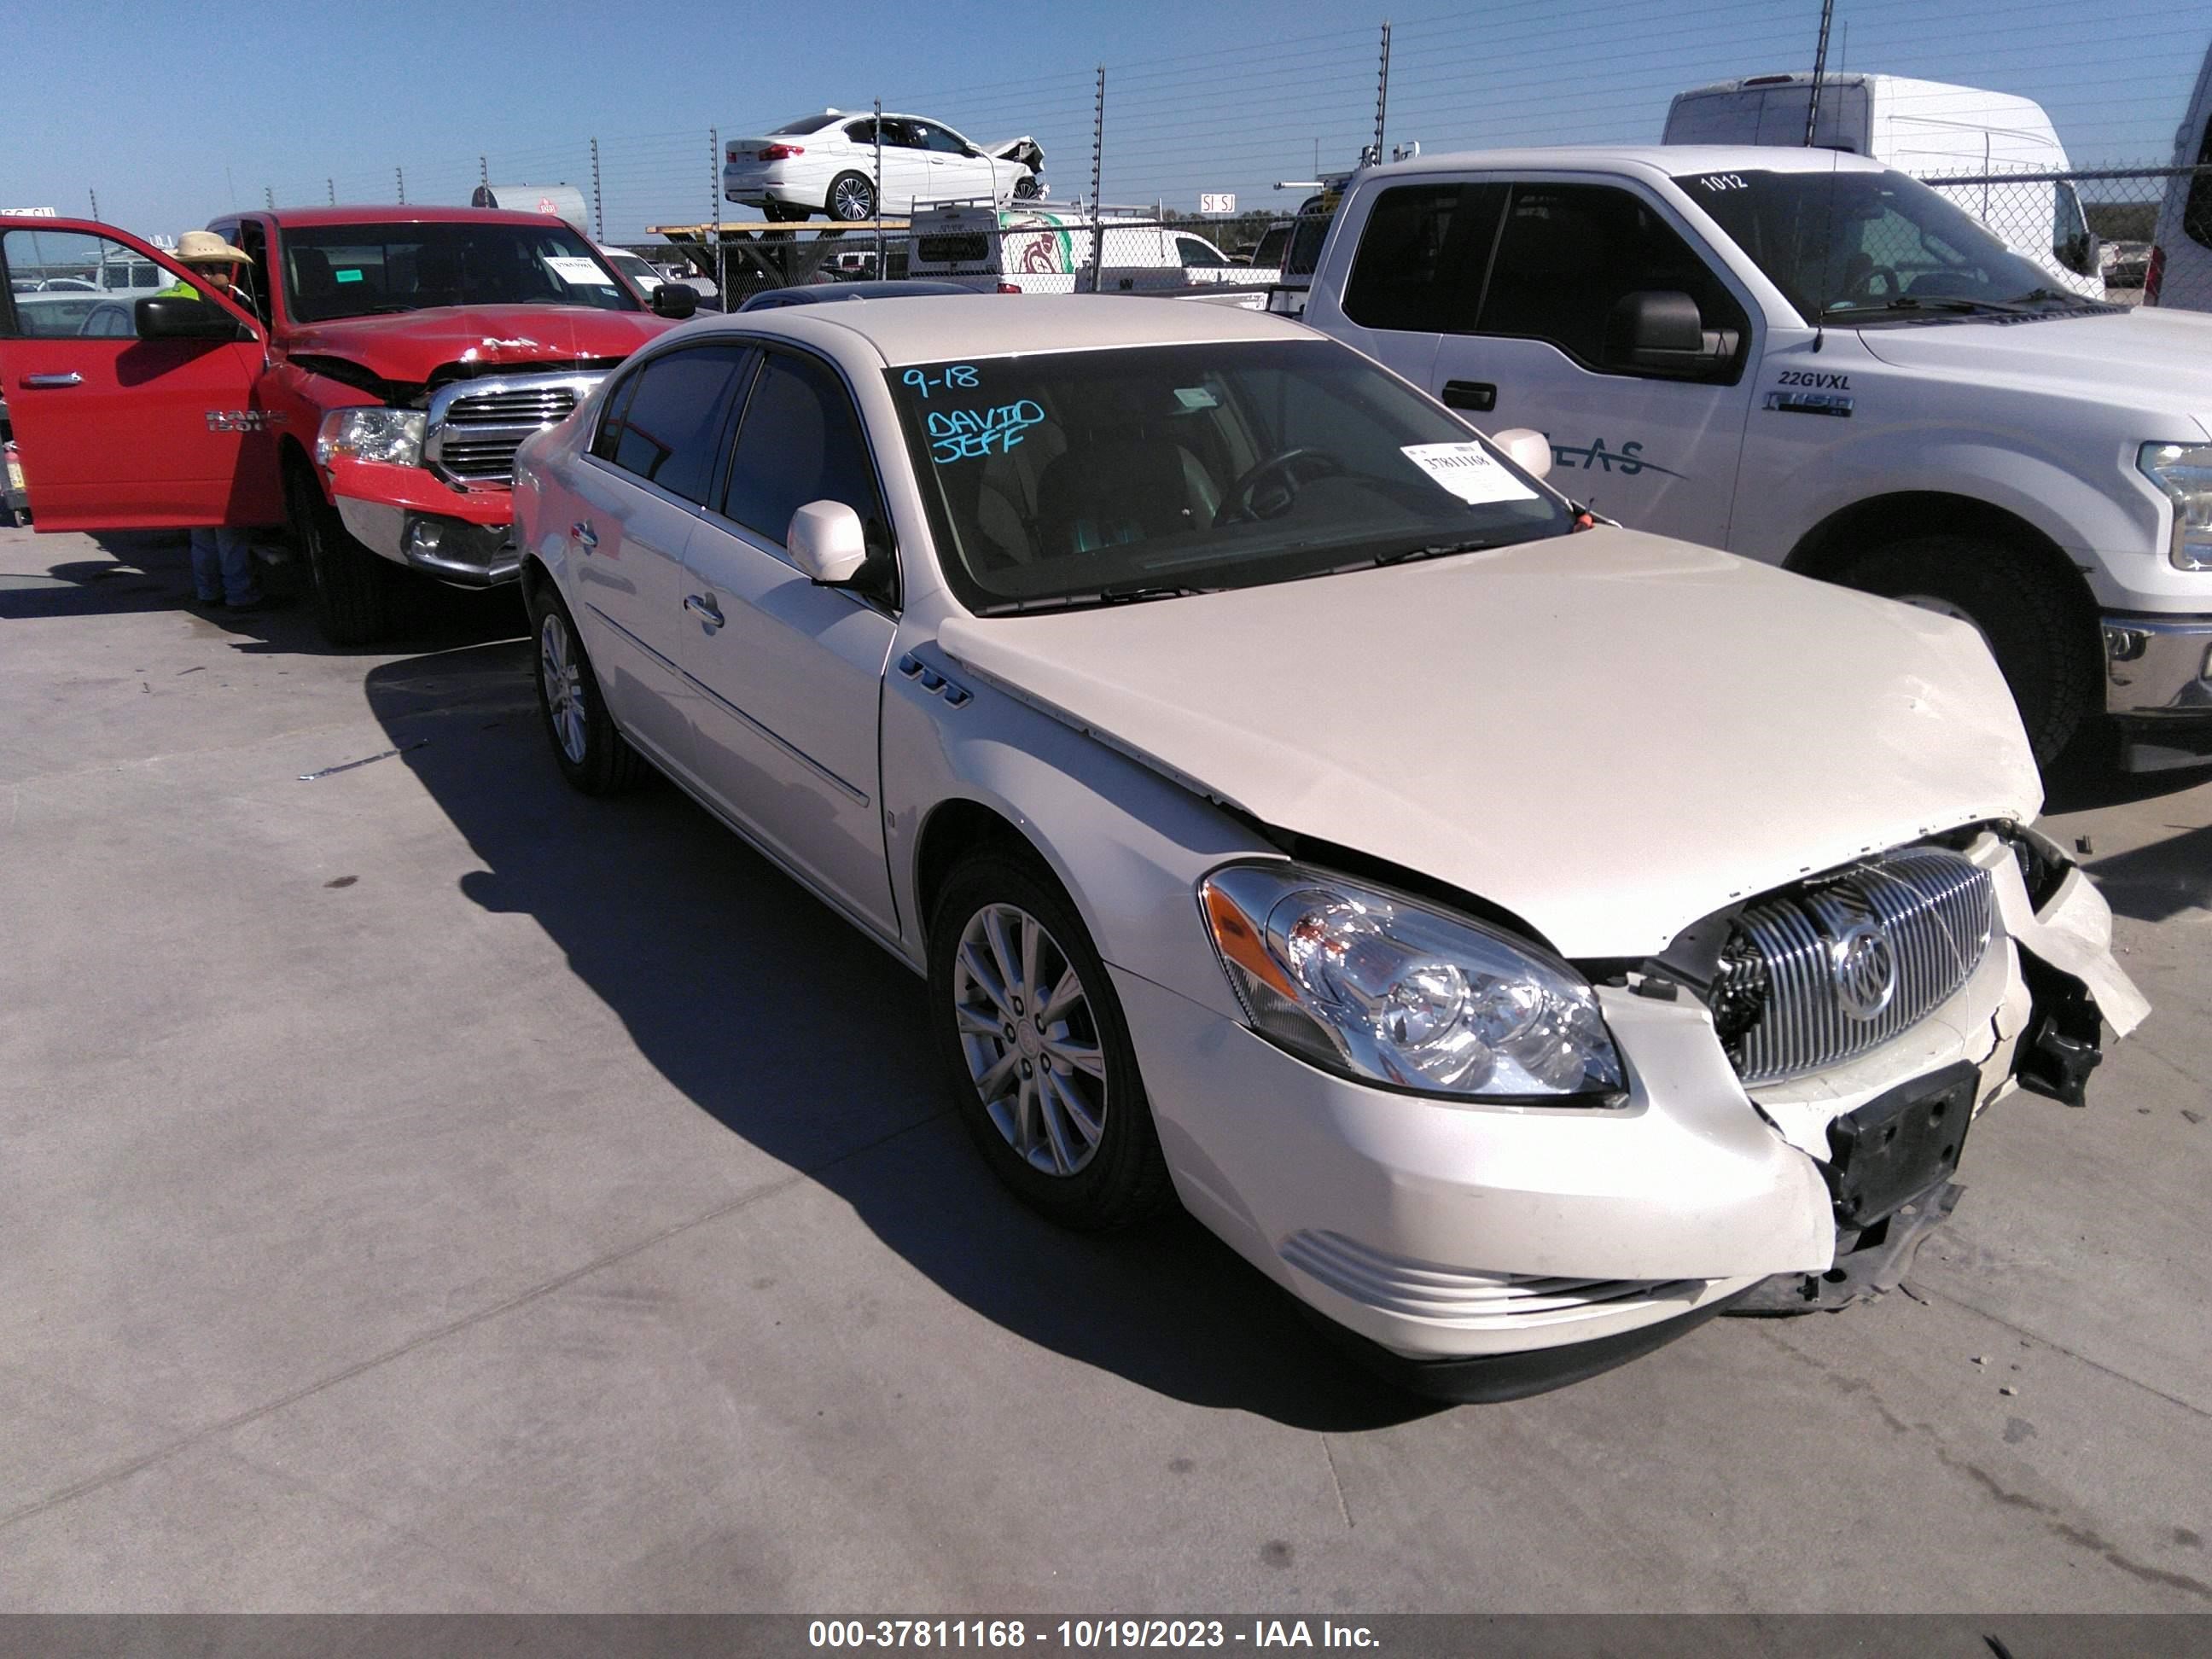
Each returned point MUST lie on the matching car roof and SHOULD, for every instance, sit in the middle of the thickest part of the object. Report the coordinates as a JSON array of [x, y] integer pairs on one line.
[[823, 292], [934, 328], [1671, 160], [390, 213]]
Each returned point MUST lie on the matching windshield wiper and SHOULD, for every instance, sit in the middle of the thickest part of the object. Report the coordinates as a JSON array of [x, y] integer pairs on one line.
[[1404, 555], [1955, 307], [2051, 296], [1130, 594]]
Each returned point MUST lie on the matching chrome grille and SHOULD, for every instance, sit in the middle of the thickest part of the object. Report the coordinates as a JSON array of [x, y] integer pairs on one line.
[[1804, 965], [476, 426]]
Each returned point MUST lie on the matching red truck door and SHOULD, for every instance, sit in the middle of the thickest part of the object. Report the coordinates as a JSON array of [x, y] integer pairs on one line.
[[115, 432]]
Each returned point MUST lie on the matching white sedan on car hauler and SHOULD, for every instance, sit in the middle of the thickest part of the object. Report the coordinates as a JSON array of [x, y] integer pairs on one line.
[[1520, 939], [827, 164]]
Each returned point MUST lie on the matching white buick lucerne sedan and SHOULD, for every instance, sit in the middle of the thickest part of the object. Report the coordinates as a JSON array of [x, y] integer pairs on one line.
[[1520, 937]]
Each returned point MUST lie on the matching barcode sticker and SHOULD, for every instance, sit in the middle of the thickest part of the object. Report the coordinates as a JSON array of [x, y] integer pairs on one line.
[[1469, 472]]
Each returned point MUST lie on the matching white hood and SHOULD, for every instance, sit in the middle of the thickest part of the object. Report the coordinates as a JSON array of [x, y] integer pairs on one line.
[[2144, 360], [1608, 734]]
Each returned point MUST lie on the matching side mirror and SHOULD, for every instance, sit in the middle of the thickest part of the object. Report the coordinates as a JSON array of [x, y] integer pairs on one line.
[[676, 300], [2082, 253], [1527, 449], [1662, 331], [175, 318], [827, 542]]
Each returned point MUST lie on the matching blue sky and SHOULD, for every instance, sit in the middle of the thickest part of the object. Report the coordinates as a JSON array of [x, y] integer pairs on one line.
[[174, 113]]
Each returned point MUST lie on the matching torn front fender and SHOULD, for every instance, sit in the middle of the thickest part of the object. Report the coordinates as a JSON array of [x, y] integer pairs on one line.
[[2072, 932]]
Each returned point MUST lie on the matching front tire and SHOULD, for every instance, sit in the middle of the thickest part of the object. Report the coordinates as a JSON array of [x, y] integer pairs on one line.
[[594, 756], [851, 198], [1036, 1050], [2032, 624], [352, 586]]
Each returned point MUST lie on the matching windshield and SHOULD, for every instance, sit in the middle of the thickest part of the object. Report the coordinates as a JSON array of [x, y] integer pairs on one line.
[[635, 267], [363, 271], [1858, 245], [1086, 478]]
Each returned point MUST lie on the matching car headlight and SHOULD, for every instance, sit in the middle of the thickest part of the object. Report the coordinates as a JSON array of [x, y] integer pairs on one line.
[[393, 436], [2184, 471], [1379, 988]]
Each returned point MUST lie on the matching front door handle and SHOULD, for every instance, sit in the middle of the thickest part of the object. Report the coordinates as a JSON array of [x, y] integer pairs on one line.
[[704, 609], [1481, 396], [52, 382], [585, 536]]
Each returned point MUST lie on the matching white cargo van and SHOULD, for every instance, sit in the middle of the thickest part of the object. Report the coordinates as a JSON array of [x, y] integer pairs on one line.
[[2180, 272], [1812, 359], [1928, 129], [1047, 249]]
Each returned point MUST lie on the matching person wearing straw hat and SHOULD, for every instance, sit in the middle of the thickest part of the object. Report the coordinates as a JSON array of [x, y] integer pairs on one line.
[[222, 558]]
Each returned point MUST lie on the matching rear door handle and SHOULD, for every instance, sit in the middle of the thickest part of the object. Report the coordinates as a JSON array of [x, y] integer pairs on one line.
[[586, 536], [52, 382], [1481, 396], [703, 608]]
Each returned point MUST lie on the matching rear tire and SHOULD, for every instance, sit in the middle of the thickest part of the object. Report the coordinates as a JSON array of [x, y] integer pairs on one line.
[[1065, 1125], [352, 586], [1026, 188], [594, 756], [2032, 623], [851, 198]]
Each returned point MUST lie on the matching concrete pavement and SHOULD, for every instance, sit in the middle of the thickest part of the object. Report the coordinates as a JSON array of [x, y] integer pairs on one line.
[[424, 1188]]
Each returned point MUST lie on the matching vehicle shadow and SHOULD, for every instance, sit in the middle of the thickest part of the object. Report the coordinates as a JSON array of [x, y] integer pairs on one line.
[[2161, 880], [788, 1028], [148, 570], [2089, 775]]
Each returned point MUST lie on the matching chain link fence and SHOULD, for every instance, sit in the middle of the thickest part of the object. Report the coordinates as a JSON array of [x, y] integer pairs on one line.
[[1043, 248], [2099, 230]]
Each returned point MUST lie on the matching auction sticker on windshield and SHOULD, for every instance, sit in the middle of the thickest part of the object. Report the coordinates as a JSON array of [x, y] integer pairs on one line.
[[575, 270], [1469, 472]]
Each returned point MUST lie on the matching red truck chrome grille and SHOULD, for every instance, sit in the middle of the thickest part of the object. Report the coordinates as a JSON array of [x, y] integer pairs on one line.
[[476, 426]]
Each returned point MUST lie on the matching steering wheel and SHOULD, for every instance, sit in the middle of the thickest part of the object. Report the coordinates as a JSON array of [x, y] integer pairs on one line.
[[1864, 287], [1245, 501]]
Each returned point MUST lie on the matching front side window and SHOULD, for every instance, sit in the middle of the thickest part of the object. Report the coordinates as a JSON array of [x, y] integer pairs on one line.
[[1567, 254], [1868, 247], [664, 422], [1078, 478], [1422, 257], [934, 137], [333, 272], [61, 280], [800, 441]]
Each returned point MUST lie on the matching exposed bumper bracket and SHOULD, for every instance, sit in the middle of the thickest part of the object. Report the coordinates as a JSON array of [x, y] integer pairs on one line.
[[1875, 1264]]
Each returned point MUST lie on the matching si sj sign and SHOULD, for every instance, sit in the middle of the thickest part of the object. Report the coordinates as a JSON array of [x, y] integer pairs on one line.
[[1216, 202]]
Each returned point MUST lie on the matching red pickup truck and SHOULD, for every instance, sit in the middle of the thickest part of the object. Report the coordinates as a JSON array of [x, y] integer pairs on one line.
[[368, 392]]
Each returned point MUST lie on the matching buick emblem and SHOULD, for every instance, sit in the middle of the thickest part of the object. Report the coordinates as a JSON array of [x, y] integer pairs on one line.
[[1864, 967]]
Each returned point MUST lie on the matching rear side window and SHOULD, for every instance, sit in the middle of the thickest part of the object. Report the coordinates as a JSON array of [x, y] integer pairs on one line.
[[800, 442], [2197, 207], [1193, 252], [1568, 253], [1422, 257], [662, 425]]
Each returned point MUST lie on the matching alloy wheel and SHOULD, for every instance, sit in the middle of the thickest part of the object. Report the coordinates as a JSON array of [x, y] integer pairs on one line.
[[1030, 1039], [564, 685]]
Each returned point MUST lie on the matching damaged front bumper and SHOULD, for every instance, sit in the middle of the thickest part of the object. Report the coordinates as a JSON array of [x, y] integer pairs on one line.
[[1479, 1251], [1887, 1160], [457, 551]]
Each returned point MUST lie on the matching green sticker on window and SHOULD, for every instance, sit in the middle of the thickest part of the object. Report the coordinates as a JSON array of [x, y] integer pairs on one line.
[[1195, 398], [348, 276]]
